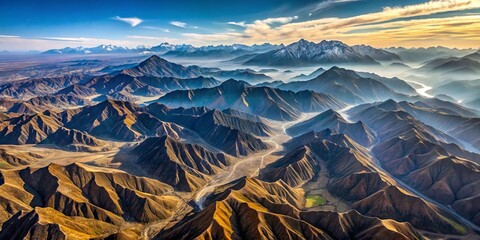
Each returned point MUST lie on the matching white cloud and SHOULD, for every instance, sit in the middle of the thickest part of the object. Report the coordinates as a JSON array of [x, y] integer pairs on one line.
[[133, 21], [178, 24], [8, 36], [367, 28], [157, 28], [330, 3], [45, 43], [282, 20], [240, 24], [145, 37]]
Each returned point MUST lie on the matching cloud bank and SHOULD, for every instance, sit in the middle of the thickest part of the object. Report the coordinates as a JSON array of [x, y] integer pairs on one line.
[[411, 26]]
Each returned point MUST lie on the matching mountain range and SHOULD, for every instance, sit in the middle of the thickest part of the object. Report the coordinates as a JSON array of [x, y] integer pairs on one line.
[[305, 53], [180, 50], [263, 101], [119, 143], [349, 86]]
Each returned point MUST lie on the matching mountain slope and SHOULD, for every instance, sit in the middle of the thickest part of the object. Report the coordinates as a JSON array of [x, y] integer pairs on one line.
[[252, 209], [78, 190], [358, 131], [186, 167], [233, 135], [75, 140]]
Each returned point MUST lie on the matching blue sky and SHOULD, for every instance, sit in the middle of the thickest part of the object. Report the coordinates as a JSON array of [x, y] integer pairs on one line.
[[40, 25]]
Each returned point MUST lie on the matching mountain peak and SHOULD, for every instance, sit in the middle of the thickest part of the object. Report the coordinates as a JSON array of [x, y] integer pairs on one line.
[[232, 84], [339, 72], [330, 114], [390, 105], [302, 43], [332, 43], [154, 58]]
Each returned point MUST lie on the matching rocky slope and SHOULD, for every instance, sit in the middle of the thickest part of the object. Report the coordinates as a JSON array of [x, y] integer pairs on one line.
[[358, 131], [186, 167], [74, 140], [252, 209], [81, 191]]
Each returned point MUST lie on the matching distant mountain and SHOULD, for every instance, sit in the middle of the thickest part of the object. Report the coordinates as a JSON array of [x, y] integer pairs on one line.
[[428, 54], [312, 75], [461, 90], [166, 47], [474, 56], [474, 104], [179, 50], [155, 66], [101, 49], [221, 51], [453, 67], [263, 101], [346, 85], [268, 70], [444, 97], [204, 53], [377, 54], [247, 75], [112, 49], [26, 89], [304, 53], [400, 66], [273, 84]]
